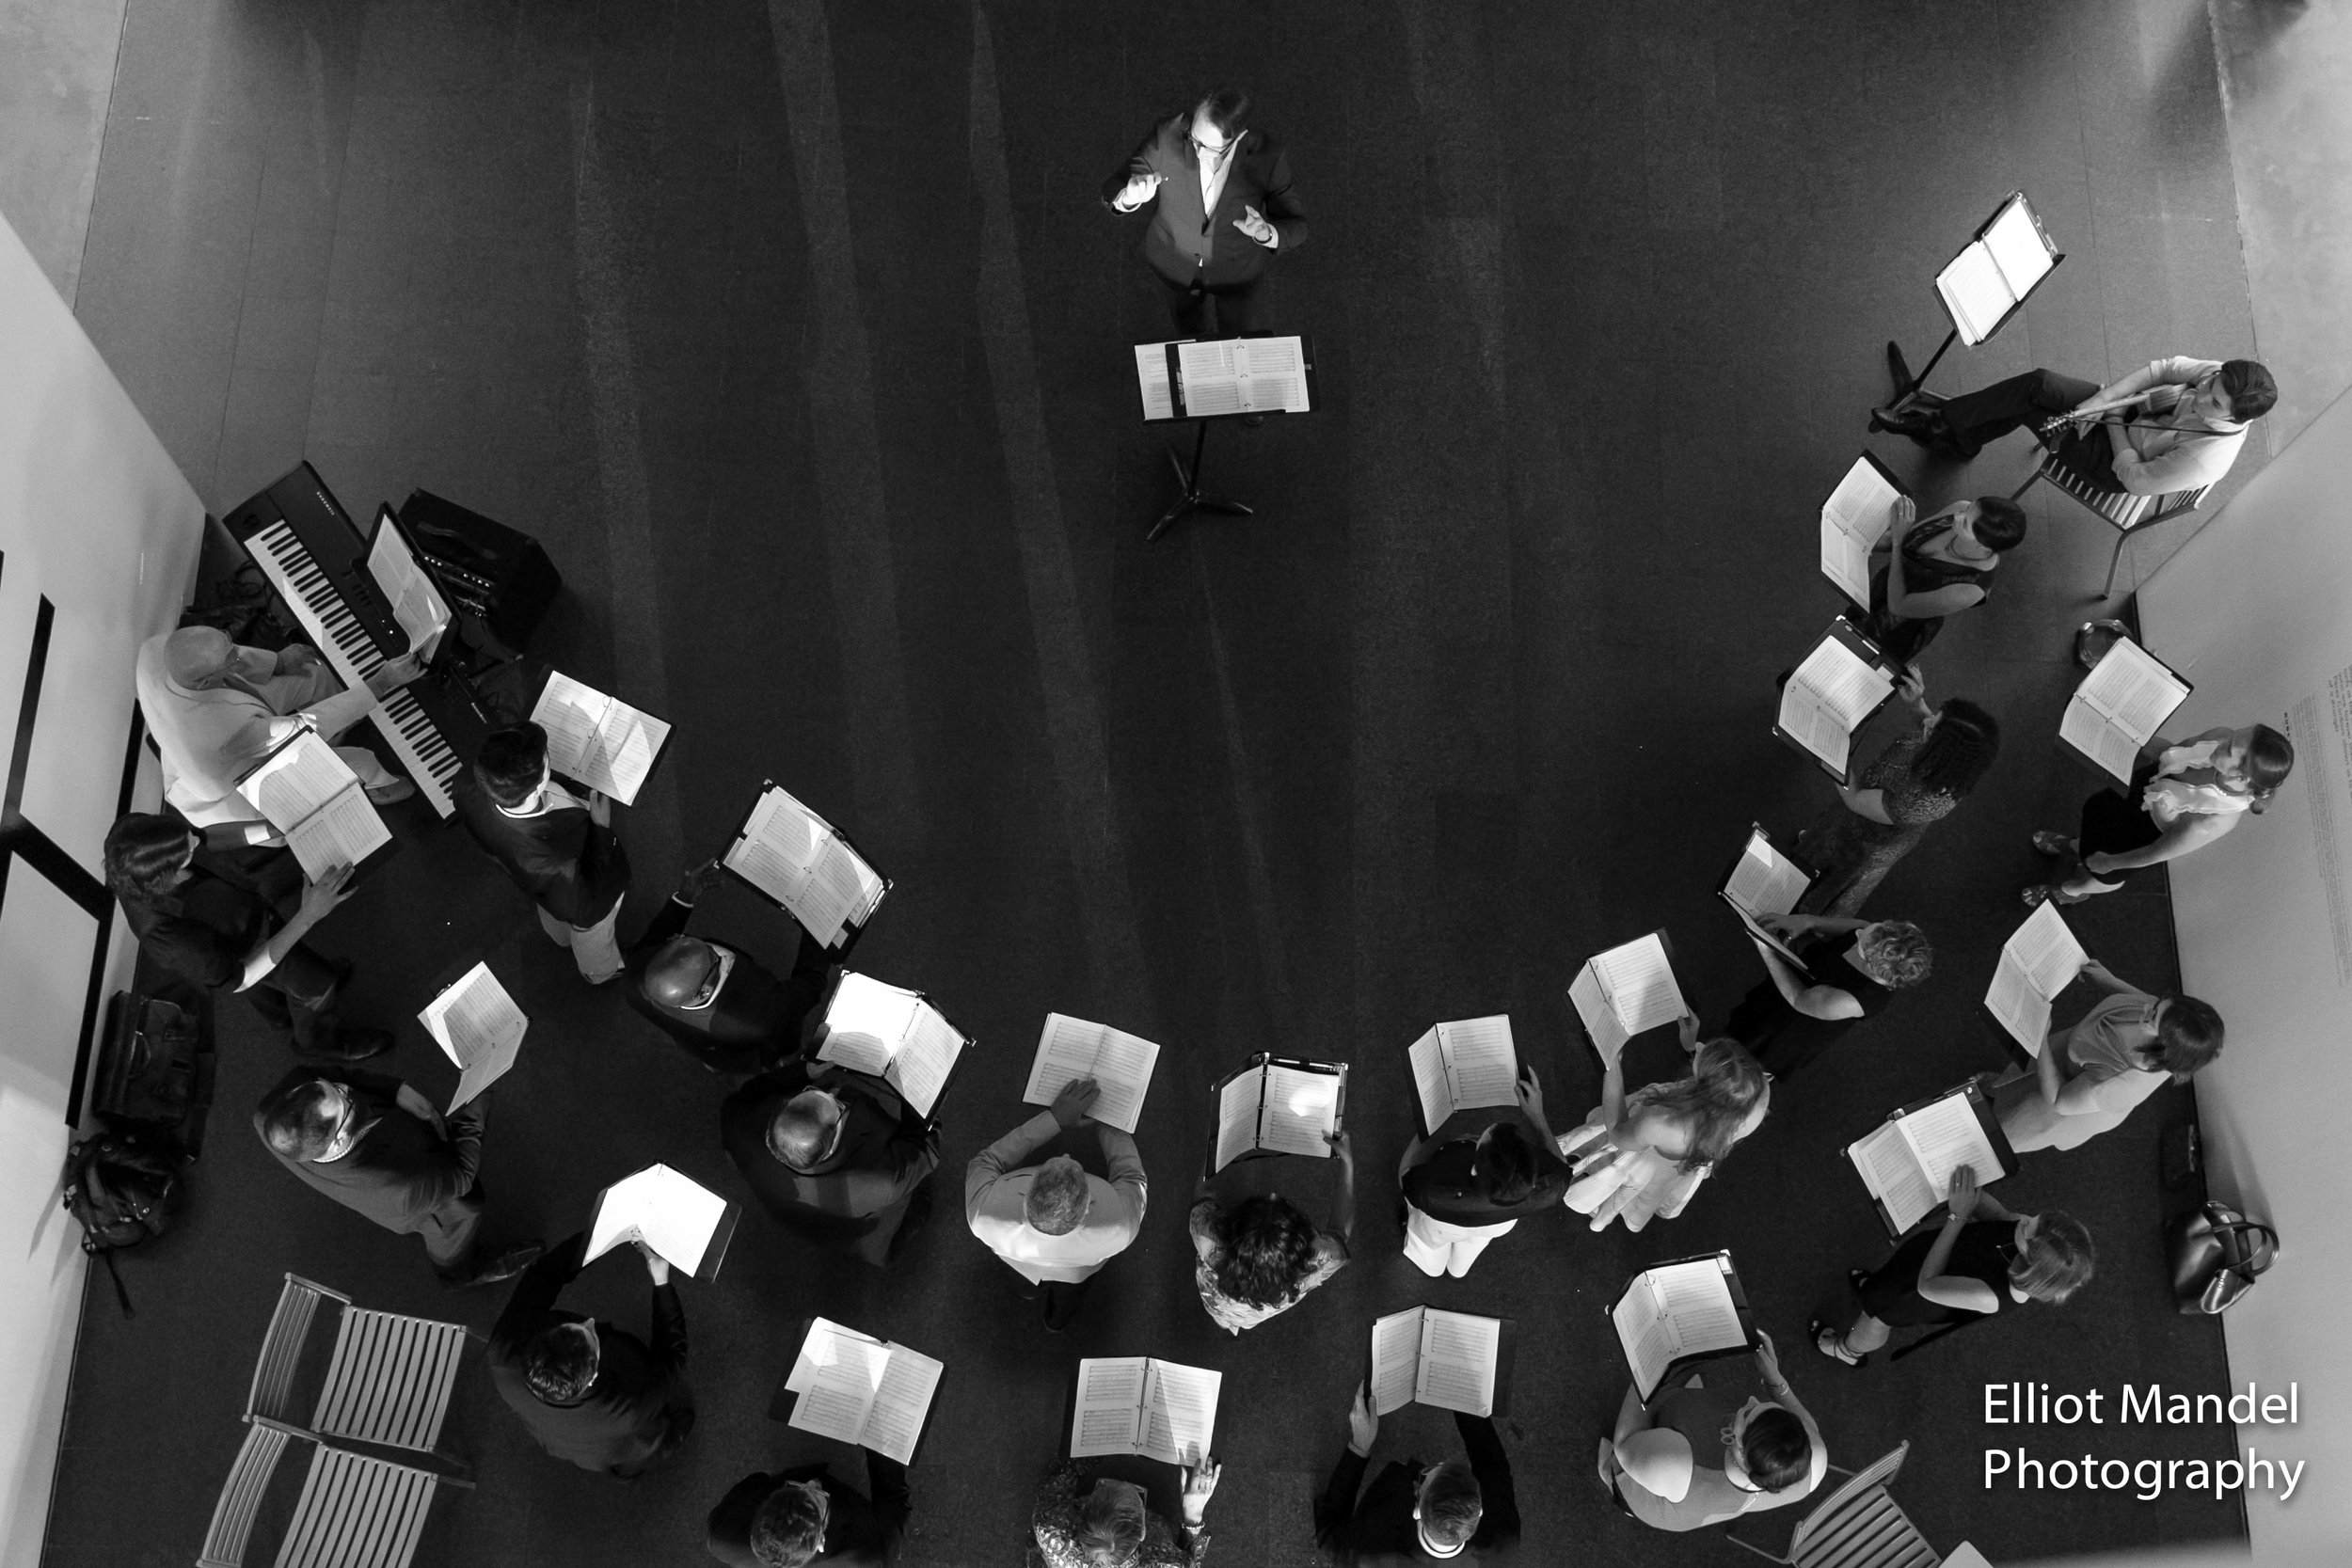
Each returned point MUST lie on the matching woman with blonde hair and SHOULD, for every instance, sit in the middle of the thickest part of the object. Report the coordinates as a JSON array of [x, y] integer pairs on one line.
[[1640, 1156], [1970, 1269]]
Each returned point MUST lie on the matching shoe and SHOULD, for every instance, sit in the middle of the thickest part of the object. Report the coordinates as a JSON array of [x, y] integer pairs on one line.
[[393, 793], [506, 1265], [2050, 842], [1831, 1343], [1898, 369], [1605, 1464], [1902, 420], [1251, 422], [350, 1044], [1856, 1278], [2033, 898]]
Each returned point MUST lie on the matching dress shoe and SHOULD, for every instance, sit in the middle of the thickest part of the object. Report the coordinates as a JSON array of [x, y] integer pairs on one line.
[[1903, 418], [506, 1265], [346, 1044], [393, 793]]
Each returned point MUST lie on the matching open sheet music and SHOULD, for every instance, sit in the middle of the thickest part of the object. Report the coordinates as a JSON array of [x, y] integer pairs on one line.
[[1279, 1106], [1680, 1312], [1426, 1356], [1137, 1405], [1908, 1160], [1153, 381], [1989, 279], [686, 1223], [479, 1027], [893, 1035], [1468, 1064], [1241, 376], [1854, 518], [857, 1389], [1763, 881], [796, 859], [312, 797], [2040, 960], [1121, 1065], [1840, 684], [407, 587], [600, 741], [1625, 991], [2120, 707]]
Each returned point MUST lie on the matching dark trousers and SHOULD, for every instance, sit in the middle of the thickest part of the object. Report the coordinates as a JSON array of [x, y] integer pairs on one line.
[[1190, 308], [1059, 1300], [886, 1479], [449, 1234], [297, 999], [1991, 412]]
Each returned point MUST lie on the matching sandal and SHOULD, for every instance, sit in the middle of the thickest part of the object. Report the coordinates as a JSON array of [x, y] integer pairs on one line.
[[2034, 897], [2050, 842], [1831, 1343]]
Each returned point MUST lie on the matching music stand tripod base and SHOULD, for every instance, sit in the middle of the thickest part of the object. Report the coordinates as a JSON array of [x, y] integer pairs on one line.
[[1190, 499]]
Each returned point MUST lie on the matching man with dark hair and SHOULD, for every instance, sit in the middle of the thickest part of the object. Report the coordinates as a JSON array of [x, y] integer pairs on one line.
[[377, 1146], [720, 1006], [2185, 421], [1463, 1193], [556, 846], [1222, 209], [590, 1392], [803, 1517], [1055, 1223], [836, 1157], [200, 914], [1412, 1513]]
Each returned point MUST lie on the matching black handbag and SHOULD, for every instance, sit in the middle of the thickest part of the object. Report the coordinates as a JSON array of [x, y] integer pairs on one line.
[[2217, 1253]]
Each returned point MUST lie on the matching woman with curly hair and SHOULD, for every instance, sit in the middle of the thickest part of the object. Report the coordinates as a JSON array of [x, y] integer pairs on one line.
[[1971, 1268], [1641, 1156], [1108, 1525], [1256, 1260], [1842, 973], [1915, 783]]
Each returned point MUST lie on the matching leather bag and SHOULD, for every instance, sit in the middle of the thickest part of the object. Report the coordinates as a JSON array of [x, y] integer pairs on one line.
[[2217, 1253]]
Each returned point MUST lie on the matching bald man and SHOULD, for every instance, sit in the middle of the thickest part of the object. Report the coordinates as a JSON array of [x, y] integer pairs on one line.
[[834, 1156], [716, 1001], [215, 709]]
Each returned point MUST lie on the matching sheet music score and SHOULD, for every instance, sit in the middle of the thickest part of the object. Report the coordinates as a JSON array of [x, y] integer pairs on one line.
[[2120, 707], [671, 1213], [1827, 697], [1121, 1065], [1623, 992], [857, 1389], [1242, 375], [795, 856], [479, 1027], [1673, 1310], [415, 598], [1159, 402], [1279, 1108], [1468, 1064], [1763, 881], [599, 740], [312, 795], [2039, 961], [1427, 1357], [1139, 1406], [1907, 1162], [1980, 285], [892, 1034], [1854, 518]]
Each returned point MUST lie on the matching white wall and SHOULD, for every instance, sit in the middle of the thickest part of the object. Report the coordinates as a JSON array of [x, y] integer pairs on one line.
[[2257, 610], [93, 517]]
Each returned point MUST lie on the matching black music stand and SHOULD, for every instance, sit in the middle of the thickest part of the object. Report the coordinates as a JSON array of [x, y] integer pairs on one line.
[[1160, 383], [1906, 384]]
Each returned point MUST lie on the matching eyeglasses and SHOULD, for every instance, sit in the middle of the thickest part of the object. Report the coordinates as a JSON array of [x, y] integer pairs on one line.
[[1213, 153]]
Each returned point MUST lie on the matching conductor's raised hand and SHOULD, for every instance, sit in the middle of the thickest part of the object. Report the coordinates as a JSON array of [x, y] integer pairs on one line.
[[1253, 224], [1076, 1099], [1140, 188], [318, 898], [1363, 1422]]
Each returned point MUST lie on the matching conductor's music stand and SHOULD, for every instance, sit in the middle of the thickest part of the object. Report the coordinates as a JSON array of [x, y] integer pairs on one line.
[[1227, 378], [1983, 286]]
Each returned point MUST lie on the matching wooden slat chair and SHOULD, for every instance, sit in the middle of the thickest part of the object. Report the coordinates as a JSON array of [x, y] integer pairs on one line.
[[1858, 1526], [354, 1511], [389, 1381], [2127, 515]]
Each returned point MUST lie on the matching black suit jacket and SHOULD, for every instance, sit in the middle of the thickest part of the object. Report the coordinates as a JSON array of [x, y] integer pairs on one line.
[[858, 1534], [1378, 1530], [571, 867], [402, 1170], [1184, 245], [753, 1020], [623, 1422], [856, 1197]]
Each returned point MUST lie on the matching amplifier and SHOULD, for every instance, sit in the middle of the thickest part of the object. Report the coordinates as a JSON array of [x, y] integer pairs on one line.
[[485, 567]]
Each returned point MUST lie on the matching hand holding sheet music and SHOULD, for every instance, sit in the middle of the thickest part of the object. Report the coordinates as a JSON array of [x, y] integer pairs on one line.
[[1135, 1405], [310, 795], [2120, 707], [1625, 991], [1907, 1162], [1679, 1312], [479, 1027], [686, 1223], [2040, 960], [1468, 1064], [600, 741], [1121, 1065]]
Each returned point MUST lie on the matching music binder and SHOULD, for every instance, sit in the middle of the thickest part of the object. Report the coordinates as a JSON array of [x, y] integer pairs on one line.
[[683, 1222], [2120, 707], [2003, 263], [1285, 1111], [1387, 1397], [900, 1024], [1854, 518], [801, 1398], [1673, 1316], [1906, 1162], [1469, 1064], [611, 746], [2040, 960], [750, 858], [1840, 684], [305, 789], [1763, 880], [1627, 990]]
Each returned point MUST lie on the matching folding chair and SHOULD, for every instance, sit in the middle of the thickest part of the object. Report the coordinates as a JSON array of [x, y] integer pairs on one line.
[[388, 1380], [2127, 513], [354, 1512], [1858, 1526]]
